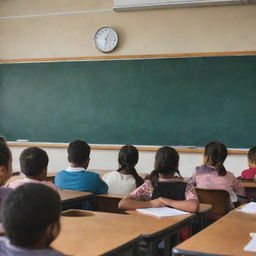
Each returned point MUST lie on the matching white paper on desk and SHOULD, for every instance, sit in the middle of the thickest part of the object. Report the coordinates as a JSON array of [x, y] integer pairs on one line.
[[162, 212], [251, 246], [248, 208]]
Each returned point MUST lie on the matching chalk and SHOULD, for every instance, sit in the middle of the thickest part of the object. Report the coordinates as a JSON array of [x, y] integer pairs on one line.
[[22, 140]]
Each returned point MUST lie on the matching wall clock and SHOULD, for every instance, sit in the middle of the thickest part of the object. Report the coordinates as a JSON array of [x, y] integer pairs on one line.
[[106, 39]]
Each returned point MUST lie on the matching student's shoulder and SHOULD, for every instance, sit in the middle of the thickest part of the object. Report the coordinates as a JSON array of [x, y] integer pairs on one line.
[[52, 252], [111, 174], [92, 174]]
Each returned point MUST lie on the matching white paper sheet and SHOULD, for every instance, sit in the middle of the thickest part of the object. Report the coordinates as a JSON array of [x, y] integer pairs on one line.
[[251, 246], [248, 208], [162, 212]]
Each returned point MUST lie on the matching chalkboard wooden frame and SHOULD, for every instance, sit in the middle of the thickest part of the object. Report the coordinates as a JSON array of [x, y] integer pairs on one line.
[[145, 57]]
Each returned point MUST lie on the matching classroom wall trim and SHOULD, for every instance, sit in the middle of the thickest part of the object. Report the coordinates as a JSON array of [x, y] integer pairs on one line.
[[127, 57], [117, 147], [55, 14]]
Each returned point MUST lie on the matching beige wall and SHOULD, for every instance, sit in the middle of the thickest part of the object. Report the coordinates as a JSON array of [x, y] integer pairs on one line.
[[107, 160], [183, 30]]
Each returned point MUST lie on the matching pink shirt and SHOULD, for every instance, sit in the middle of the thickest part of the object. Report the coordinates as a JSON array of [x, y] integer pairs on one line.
[[208, 177], [20, 182], [249, 173], [145, 191]]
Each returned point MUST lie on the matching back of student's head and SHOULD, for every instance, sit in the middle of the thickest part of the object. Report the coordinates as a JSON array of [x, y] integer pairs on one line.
[[5, 155], [78, 152], [28, 211], [128, 157], [252, 155], [217, 153], [5, 163], [166, 162], [33, 161], [3, 140]]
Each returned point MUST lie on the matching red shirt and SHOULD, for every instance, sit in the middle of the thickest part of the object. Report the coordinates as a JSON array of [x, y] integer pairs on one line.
[[249, 173]]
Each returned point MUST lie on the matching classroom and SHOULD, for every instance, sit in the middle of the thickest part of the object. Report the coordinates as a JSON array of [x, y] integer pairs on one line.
[[179, 76]]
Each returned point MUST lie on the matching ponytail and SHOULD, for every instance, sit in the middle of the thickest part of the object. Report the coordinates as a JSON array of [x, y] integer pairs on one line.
[[221, 169], [153, 177], [131, 170], [217, 153]]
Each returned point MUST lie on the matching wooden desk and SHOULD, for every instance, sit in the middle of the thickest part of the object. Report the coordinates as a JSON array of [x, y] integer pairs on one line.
[[250, 188], [72, 198], [107, 203], [98, 234], [227, 236]]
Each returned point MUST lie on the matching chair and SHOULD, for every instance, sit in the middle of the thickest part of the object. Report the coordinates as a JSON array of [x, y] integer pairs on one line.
[[218, 198]]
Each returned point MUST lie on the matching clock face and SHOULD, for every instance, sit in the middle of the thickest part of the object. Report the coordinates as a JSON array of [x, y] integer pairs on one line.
[[106, 39]]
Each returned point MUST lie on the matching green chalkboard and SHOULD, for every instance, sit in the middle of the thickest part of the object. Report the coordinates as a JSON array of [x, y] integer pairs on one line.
[[177, 101]]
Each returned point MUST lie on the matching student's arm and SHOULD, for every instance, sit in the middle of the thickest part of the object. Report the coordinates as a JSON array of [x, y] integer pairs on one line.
[[101, 186], [183, 205], [129, 203]]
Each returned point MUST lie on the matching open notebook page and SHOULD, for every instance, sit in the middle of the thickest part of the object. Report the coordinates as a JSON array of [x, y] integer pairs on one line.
[[162, 212]]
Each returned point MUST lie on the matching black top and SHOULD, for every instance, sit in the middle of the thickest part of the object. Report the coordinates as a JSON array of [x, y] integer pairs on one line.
[[171, 190]]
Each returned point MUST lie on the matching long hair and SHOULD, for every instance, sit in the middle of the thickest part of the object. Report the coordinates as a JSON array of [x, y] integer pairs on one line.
[[166, 161], [128, 157], [217, 153]]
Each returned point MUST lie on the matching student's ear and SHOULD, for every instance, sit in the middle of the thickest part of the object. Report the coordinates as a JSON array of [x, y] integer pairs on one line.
[[206, 159], [52, 231], [4, 175], [86, 163]]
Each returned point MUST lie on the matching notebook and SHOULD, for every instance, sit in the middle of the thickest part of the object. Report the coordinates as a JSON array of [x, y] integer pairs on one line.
[[248, 208], [161, 212]]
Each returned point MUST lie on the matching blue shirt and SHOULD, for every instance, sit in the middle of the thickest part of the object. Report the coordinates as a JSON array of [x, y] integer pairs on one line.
[[7, 249], [81, 180]]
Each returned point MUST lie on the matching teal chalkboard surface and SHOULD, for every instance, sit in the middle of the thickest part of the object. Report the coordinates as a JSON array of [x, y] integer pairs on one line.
[[178, 101]]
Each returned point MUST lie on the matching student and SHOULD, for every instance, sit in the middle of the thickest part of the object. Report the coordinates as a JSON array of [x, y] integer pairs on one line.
[[213, 175], [251, 172], [76, 177], [33, 163], [162, 188], [31, 220], [5, 170], [125, 179]]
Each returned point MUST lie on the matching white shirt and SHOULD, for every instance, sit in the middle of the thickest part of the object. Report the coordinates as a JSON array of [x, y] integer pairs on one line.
[[118, 183]]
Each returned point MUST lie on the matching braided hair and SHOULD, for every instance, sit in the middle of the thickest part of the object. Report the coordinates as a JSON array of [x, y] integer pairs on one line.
[[128, 157], [217, 153]]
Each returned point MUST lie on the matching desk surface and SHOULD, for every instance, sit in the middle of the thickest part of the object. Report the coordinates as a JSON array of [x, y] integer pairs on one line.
[[66, 194], [98, 234], [248, 183], [227, 236]]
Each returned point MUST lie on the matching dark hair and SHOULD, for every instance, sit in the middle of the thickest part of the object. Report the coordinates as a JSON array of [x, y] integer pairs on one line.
[[5, 154], [3, 140], [78, 152], [33, 161], [217, 153], [166, 161], [128, 157], [252, 154], [28, 211]]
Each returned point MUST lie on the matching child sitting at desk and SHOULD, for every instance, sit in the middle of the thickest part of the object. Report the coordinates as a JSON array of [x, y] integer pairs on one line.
[[162, 188], [5, 170], [76, 177], [125, 179], [213, 175], [33, 163], [31, 220], [251, 172]]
